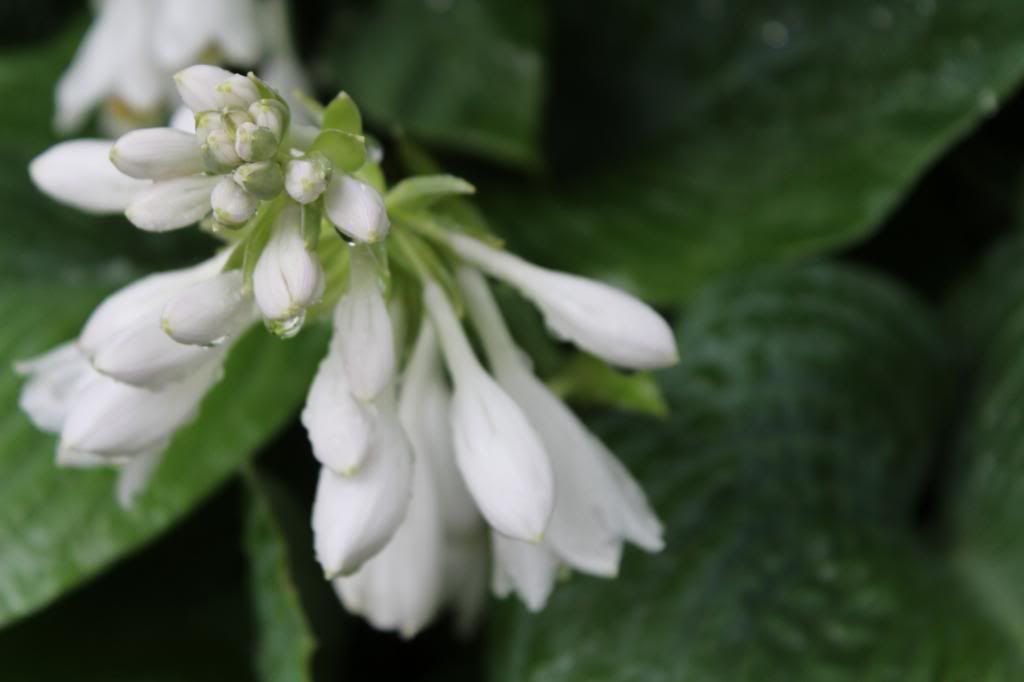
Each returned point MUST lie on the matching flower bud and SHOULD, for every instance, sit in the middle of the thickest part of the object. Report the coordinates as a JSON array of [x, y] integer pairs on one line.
[[262, 179], [306, 179], [236, 92], [356, 208], [209, 312], [364, 329], [171, 204], [288, 278], [253, 143], [235, 118], [219, 153], [207, 122], [232, 205], [197, 86], [270, 114], [157, 154], [354, 517]]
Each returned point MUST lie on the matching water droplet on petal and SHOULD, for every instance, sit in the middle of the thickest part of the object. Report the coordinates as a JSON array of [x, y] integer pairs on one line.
[[287, 328]]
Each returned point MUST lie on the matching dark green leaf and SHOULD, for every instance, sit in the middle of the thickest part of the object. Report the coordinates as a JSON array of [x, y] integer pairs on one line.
[[466, 75], [425, 190], [697, 138], [802, 418]]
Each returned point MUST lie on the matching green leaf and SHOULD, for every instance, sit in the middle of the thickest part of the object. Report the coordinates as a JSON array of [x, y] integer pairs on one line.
[[286, 642], [692, 139], [988, 510], [346, 151], [466, 75], [423, 191], [343, 114], [802, 420], [60, 527]]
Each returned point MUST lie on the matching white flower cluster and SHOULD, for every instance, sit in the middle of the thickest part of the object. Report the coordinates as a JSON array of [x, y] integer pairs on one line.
[[129, 53], [433, 460]]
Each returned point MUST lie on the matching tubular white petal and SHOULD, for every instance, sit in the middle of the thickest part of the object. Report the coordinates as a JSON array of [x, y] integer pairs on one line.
[[402, 588], [356, 208], [112, 419], [53, 380], [364, 328], [593, 512], [598, 318], [288, 278], [339, 426], [641, 525], [231, 204], [135, 474], [355, 516], [197, 86], [172, 204], [184, 120], [79, 173], [499, 454], [306, 179], [425, 410], [236, 92], [209, 312], [123, 339], [525, 568], [157, 154]]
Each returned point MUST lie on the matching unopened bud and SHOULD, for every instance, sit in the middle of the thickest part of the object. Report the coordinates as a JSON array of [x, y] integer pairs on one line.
[[232, 205], [236, 92], [219, 152], [253, 143], [306, 179], [207, 122], [270, 114], [262, 179]]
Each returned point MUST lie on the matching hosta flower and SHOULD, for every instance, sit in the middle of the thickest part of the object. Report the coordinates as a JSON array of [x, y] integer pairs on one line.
[[441, 472]]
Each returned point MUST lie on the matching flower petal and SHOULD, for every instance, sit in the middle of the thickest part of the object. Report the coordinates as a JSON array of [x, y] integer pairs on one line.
[[356, 208], [363, 329], [157, 154], [79, 173], [172, 204], [197, 85]]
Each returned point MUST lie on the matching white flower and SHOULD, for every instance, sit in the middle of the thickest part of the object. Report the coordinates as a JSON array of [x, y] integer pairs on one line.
[[288, 278], [157, 154], [79, 173], [499, 454], [364, 328], [136, 473], [231, 204], [356, 208], [172, 204], [526, 568], [209, 312], [123, 338], [598, 318], [187, 28], [54, 378], [355, 516], [339, 426], [596, 507], [306, 179]]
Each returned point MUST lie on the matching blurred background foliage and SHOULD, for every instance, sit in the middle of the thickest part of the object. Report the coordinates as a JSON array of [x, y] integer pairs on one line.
[[824, 196]]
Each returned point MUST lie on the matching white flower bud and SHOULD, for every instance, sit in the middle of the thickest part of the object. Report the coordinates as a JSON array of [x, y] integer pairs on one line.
[[109, 418], [270, 114], [236, 92], [197, 86], [598, 318], [171, 204], [288, 278], [157, 154], [232, 205], [209, 312], [525, 568], [306, 179], [354, 517], [356, 208], [364, 328], [253, 143], [499, 454], [79, 173], [219, 152], [339, 426], [208, 122], [53, 380], [122, 338], [263, 179]]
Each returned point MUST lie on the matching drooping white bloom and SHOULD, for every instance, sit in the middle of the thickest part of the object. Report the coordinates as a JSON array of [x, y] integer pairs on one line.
[[54, 378], [598, 318], [499, 454], [596, 507], [355, 516], [288, 278], [123, 338], [356, 208], [364, 328], [526, 568], [340, 427], [209, 312], [188, 28], [79, 173]]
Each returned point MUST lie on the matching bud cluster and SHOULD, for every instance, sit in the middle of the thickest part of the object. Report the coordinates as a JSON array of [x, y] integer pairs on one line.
[[428, 451]]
